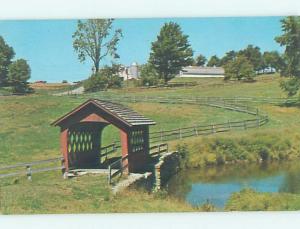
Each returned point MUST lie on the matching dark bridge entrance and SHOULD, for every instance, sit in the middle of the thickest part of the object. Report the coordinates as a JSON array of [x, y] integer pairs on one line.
[[81, 129]]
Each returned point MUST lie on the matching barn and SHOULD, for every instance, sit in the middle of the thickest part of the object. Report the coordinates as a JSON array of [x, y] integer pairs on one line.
[[204, 72]]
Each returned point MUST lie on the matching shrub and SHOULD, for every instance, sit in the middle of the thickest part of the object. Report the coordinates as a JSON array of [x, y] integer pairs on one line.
[[107, 77], [149, 76], [264, 153], [18, 74], [95, 83]]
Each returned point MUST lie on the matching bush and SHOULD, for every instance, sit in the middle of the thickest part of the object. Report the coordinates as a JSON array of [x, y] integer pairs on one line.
[[264, 153], [18, 74], [95, 83], [251, 148], [239, 68], [149, 76], [107, 77]]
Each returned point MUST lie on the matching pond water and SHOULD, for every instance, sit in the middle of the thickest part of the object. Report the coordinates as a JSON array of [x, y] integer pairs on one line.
[[216, 184]]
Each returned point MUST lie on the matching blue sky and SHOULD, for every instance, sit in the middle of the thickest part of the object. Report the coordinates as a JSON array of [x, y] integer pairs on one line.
[[47, 44]]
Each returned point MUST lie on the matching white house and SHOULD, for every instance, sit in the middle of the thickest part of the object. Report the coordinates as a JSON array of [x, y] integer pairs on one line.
[[129, 72], [197, 71]]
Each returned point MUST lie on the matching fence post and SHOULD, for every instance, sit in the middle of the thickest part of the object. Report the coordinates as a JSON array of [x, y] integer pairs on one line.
[[161, 135], [180, 134], [245, 125], [196, 131], [257, 121], [28, 173], [63, 168], [109, 174], [229, 125], [121, 166], [212, 129]]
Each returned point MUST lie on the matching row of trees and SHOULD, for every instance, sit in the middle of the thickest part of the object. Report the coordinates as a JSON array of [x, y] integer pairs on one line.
[[13, 73], [171, 51]]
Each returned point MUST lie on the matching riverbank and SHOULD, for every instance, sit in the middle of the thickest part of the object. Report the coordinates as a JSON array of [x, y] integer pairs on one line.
[[250, 200], [254, 146]]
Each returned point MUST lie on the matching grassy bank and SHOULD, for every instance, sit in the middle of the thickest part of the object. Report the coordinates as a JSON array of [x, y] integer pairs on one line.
[[250, 146], [49, 193], [249, 200]]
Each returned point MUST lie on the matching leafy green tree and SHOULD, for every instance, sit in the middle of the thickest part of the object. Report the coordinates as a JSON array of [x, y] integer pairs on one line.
[[290, 39], [148, 75], [95, 83], [254, 55], [239, 68], [229, 56], [95, 38], [171, 51], [214, 61], [273, 60], [18, 74], [107, 77], [111, 73], [6, 55], [200, 60]]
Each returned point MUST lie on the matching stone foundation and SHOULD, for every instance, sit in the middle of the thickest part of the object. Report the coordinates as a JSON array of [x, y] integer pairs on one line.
[[165, 168]]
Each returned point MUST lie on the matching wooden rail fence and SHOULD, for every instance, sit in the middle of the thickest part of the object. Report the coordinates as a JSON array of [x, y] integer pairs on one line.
[[116, 168], [28, 168], [234, 104], [157, 150]]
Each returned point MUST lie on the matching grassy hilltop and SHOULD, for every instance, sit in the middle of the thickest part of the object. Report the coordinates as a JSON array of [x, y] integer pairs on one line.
[[26, 135]]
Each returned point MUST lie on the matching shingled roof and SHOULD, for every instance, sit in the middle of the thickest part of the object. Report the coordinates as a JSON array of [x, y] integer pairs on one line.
[[118, 111], [203, 70]]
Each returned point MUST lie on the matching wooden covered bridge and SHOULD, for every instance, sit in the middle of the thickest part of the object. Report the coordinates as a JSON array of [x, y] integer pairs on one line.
[[81, 131]]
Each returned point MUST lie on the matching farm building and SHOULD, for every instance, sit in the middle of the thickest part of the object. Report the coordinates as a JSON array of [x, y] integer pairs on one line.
[[129, 72], [197, 71]]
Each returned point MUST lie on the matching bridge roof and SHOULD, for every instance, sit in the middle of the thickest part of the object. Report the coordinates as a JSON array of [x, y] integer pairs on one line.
[[109, 111]]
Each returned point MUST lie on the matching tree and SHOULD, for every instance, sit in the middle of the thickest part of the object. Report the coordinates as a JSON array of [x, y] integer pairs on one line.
[[18, 74], [229, 56], [214, 61], [239, 68], [6, 55], [111, 73], [95, 39], [254, 55], [106, 77], [171, 51], [200, 60], [273, 60], [290, 39], [95, 83], [149, 76]]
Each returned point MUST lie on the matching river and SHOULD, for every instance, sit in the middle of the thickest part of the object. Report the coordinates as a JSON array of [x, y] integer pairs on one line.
[[216, 184]]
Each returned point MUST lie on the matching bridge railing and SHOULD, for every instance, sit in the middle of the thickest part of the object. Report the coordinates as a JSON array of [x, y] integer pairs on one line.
[[116, 168], [159, 149]]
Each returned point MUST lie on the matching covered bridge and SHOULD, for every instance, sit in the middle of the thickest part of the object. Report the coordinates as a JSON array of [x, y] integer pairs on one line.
[[81, 131]]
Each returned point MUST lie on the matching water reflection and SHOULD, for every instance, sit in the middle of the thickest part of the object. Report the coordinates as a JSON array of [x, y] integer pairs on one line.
[[216, 184]]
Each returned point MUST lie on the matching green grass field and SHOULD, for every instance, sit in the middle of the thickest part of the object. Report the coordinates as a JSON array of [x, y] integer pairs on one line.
[[26, 135]]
